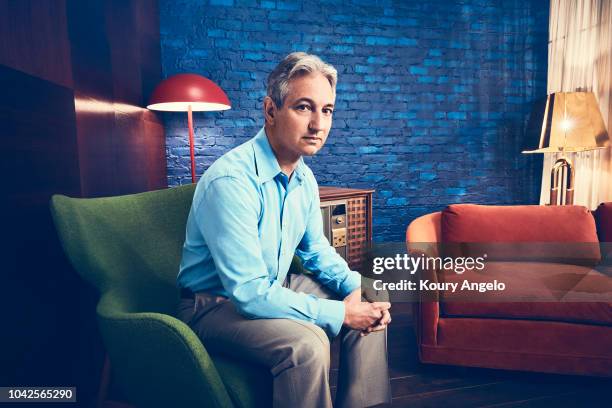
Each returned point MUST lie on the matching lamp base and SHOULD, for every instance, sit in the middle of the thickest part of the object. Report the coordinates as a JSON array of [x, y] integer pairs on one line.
[[562, 182]]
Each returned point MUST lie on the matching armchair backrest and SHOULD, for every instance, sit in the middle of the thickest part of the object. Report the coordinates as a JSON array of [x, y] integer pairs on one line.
[[130, 244]]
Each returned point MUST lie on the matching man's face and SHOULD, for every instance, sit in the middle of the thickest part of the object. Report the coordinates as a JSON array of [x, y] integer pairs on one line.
[[301, 125]]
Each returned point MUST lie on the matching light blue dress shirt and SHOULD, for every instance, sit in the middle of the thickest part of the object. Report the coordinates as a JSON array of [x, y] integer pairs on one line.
[[246, 222]]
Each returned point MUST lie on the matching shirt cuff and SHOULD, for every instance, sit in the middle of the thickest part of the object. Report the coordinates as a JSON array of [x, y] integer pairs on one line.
[[331, 316], [352, 282]]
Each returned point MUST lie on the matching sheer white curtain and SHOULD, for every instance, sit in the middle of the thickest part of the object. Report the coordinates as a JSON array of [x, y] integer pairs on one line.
[[580, 59]]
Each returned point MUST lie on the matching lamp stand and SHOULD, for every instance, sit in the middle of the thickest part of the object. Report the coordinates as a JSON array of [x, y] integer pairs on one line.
[[562, 182], [191, 151]]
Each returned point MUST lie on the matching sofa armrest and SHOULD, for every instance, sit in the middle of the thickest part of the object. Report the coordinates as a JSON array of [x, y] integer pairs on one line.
[[157, 358], [426, 316], [427, 310], [424, 230], [422, 237]]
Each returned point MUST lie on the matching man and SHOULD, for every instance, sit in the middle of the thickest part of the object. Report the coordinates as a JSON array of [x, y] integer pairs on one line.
[[253, 209]]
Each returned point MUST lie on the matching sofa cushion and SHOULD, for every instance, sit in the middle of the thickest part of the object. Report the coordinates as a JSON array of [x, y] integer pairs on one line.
[[534, 291], [596, 286], [523, 345], [555, 233]]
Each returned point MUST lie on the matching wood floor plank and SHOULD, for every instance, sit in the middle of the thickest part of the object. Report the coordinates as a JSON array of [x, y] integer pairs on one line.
[[592, 399], [507, 391]]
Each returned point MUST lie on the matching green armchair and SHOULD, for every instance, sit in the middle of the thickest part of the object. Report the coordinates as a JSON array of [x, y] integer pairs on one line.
[[129, 248]]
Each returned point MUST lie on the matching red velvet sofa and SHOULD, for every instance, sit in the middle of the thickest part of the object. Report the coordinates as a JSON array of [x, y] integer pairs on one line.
[[565, 331]]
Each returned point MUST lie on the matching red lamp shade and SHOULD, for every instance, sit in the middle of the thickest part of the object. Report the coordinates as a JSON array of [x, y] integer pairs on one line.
[[188, 93], [180, 91]]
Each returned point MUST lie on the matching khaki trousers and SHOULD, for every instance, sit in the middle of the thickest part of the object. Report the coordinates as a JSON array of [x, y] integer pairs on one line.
[[296, 352]]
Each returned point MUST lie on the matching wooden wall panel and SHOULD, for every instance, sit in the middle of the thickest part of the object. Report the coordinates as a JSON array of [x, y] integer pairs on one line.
[[125, 52], [35, 39], [75, 77], [95, 123], [90, 52], [156, 151], [107, 73], [37, 129], [147, 18], [39, 158], [130, 159]]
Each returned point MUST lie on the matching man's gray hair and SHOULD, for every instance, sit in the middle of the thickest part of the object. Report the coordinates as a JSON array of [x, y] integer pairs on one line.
[[294, 65]]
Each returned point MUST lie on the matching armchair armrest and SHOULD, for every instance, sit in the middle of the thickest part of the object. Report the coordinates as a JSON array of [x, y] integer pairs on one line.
[[422, 235], [157, 358]]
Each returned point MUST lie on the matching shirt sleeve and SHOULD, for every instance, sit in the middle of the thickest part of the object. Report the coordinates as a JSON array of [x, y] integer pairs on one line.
[[319, 257], [228, 216]]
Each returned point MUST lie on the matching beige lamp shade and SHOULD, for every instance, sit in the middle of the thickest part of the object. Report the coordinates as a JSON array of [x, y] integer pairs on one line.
[[572, 123]]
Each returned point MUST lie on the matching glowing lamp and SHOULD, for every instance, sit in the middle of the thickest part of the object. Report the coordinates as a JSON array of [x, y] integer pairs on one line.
[[572, 123], [188, 93]]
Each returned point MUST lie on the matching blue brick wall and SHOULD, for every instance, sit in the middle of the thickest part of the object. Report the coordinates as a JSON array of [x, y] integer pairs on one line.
[[433, 97]]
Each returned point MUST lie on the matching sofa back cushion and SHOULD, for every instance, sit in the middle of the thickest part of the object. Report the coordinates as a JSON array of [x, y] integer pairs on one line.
[[522, 232]]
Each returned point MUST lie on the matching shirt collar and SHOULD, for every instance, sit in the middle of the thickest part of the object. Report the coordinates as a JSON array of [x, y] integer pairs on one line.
[[267, 165]]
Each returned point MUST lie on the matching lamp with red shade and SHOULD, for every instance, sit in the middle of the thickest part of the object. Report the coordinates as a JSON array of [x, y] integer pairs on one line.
[[188, 93]]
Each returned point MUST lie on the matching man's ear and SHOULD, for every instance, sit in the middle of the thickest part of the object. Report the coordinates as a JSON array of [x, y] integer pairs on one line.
[[269, 110]]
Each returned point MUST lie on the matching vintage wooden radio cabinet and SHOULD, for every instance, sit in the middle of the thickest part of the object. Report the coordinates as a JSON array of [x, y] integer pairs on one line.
[[347, 221]]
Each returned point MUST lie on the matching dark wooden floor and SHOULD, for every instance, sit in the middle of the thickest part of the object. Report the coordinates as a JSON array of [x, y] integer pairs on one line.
[[418, 385]]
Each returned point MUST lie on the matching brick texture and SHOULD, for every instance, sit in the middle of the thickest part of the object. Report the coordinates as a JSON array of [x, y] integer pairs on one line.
[[433, 97]]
